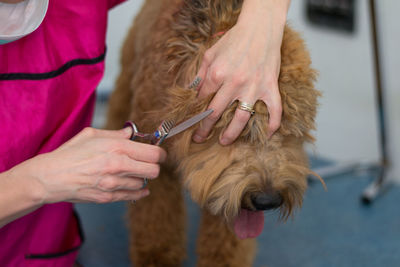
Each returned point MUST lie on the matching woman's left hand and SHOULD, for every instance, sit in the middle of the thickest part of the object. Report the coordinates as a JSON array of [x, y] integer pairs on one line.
[[244, 65]]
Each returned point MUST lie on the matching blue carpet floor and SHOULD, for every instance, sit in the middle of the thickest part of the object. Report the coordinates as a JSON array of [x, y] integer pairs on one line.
[[332, 229]]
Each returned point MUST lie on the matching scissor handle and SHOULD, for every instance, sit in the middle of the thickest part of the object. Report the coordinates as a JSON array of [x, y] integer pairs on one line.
[[135, 131], [136, 134]]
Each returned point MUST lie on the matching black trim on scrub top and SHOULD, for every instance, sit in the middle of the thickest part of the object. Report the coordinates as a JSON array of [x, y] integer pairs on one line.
[[54, 73]]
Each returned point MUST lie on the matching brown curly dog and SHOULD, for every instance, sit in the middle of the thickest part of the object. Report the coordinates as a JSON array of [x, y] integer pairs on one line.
[[232, 184]]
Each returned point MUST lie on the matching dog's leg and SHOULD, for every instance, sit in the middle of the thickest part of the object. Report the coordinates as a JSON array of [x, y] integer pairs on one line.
[[157, 224], [218, 246]]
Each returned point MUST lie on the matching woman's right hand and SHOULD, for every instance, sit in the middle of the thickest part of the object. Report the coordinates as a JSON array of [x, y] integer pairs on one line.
[[94, 166]]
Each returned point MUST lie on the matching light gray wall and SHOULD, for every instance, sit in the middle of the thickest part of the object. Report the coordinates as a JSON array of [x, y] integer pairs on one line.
[[347, 121], [119, 21]]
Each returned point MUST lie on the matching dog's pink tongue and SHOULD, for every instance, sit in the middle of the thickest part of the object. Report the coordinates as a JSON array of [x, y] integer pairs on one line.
[[249, 224]]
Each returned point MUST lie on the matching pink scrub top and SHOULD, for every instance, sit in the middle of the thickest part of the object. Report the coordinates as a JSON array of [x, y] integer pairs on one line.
[[47, 95]]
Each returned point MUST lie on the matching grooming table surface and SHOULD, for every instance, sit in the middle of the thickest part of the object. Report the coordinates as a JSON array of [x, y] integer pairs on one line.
[[332, 229]]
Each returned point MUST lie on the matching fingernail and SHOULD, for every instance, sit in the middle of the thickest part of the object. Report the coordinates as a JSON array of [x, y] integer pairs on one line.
[[128, 130], [197, 138], [224, 141], [146, 193]]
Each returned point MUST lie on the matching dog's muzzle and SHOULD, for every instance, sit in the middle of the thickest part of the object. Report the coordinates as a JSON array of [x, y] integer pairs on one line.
[[266, 201]]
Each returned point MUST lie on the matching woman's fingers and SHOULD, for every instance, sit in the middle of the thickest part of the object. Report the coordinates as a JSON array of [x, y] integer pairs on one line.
[[126, 195], [117, 141], [140, 151], [124, 165], [241, 117], [218, 105], [237, 124], [113, 183], [222, 99], [90, 132], [201, 74], [97, 196], [274, 105]]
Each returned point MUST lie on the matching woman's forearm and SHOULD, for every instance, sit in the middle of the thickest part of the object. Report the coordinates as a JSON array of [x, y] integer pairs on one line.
[[18, 196]]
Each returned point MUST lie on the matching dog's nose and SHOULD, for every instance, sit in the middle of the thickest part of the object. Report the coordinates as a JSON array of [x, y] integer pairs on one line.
[[267, 201]]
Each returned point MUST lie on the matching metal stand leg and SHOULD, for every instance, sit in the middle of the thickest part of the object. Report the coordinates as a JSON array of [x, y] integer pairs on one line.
[[377, 186], [374, 189], [343, 168]]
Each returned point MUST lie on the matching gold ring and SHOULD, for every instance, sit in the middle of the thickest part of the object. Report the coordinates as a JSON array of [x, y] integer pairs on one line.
[[246, 107]]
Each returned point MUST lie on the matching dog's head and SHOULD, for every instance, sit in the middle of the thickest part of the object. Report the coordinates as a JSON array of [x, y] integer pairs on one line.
[[254, 174], [241, 181]]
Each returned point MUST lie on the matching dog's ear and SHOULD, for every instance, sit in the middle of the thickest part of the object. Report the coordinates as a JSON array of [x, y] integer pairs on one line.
[[296, 85]]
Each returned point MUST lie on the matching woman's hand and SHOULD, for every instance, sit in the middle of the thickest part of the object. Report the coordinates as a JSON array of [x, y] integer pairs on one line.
[[95, 166], [244, 65]]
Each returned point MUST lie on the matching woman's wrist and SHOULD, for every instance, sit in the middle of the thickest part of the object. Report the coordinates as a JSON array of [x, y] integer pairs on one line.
[[272, 12], [18, 195], [30, 189]]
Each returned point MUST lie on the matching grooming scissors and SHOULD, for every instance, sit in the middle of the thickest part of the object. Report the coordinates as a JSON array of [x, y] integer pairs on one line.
[[166, 130]]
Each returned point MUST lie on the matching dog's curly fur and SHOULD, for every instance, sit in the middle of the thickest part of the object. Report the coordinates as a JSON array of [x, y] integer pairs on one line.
[[160, 57]]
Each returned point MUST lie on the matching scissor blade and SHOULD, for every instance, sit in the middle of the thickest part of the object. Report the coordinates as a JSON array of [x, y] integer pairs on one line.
[[188, 123]]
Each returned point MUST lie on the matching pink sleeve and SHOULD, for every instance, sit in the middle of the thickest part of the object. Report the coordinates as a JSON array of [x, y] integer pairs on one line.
[[113, 3]]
